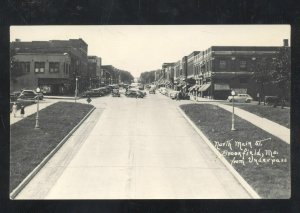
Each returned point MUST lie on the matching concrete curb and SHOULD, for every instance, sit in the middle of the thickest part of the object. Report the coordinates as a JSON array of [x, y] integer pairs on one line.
[[31, 175], [239, 178]]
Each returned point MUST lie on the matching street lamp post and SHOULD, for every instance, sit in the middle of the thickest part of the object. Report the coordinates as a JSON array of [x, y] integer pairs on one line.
[[232, 119], [76, 89], [90, 83], [37, 126]]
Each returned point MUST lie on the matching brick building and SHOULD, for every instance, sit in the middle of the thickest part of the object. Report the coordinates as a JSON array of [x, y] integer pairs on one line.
[[226, 68], [168, 69], [49, 71], [183, 74], [46, 56], [94, 71]]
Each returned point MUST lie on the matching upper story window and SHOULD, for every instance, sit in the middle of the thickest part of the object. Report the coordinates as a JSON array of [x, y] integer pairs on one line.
[[243, 65], [53, 67], [39, 67], [24, 67], [222, 64]]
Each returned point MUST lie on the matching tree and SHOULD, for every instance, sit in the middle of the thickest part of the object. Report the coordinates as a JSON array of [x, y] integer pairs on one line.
[[147, 77], [262, 74], [126, 76], [281, 75]]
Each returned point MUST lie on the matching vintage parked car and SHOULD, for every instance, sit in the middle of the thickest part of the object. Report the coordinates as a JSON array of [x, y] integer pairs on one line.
[[142, 93], [244, 98], [173, 94], [134, 94], [92, 93], [30, 95], [163, 90], [152, 91], [115, 93]]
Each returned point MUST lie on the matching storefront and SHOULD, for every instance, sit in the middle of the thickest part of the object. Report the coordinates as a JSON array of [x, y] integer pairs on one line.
[[54, 86]]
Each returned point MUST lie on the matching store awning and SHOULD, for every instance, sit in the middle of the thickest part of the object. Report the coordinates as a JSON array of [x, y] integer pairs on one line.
[[219, 87], [193, 88], [204, 87]]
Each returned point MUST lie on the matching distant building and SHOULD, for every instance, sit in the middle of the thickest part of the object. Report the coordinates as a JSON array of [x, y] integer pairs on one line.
[[168, 70], [190, 64], [94, 71], [183, 73]]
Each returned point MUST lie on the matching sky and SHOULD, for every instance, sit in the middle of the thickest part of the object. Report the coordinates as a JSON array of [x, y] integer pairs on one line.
[[140, 48]]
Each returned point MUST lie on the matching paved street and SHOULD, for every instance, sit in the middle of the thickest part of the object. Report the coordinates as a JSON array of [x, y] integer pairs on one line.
[[134, 149]]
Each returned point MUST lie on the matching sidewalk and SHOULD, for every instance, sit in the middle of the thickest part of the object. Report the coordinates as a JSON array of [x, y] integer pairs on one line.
[[62, 97], [29, 110], [267, 125]]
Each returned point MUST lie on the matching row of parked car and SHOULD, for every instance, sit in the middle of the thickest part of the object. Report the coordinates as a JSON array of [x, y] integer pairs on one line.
[[173, 94], [101, 91]]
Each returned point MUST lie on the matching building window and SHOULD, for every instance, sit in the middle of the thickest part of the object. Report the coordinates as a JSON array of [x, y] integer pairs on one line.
[[24, 67], [53, 67], [243, 65], [39, 67], [222, 64]]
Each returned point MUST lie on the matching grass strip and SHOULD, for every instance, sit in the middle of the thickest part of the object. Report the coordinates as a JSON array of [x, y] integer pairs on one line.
[[29, 146], [262, 159], [277, 115]]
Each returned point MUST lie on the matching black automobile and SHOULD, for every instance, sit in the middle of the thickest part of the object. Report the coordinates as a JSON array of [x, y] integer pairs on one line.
[[92, 93], [103, 91], [151, 91], [134, 94], [115, 93], [30, 95]]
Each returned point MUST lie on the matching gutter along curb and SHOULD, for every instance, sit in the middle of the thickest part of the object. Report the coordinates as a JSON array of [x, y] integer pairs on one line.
[[31, 175]]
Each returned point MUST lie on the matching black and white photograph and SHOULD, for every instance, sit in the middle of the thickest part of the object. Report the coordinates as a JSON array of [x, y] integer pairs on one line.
[[114, 112]]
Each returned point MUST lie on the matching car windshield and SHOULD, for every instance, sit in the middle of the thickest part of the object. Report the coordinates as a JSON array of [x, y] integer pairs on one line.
[[28, 92]]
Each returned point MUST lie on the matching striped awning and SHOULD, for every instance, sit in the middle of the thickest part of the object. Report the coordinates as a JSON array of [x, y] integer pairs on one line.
[[193, 88], [204, 87]]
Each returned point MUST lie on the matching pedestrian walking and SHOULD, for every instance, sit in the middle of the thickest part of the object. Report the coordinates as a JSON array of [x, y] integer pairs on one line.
[[89, 99], [14, 109], [22, 111]]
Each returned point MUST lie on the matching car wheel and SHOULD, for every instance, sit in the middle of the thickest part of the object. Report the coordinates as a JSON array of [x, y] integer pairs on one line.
[[248, 101]]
